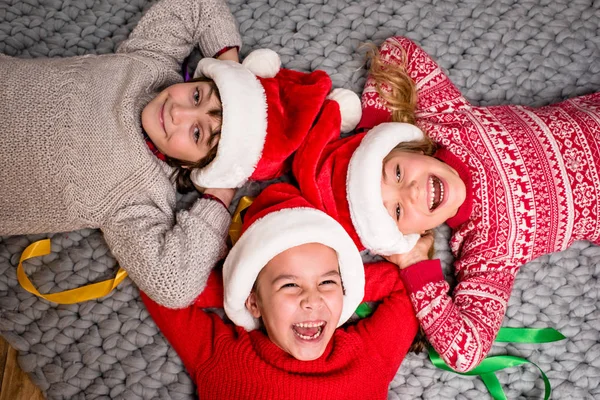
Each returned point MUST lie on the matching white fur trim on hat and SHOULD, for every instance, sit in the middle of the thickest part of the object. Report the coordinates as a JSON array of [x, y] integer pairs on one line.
[[350, 107], [376, 229], [279, 231], [263, 62], [244, 127]]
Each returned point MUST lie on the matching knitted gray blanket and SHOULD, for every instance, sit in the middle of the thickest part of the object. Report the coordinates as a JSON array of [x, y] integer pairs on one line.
[[496, 51]]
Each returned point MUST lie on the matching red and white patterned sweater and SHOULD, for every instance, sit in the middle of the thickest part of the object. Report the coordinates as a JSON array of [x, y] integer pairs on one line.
[[533, 183]]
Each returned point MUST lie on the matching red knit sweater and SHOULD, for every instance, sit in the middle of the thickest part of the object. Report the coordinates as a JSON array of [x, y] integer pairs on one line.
[[533, 181], [226, 362]]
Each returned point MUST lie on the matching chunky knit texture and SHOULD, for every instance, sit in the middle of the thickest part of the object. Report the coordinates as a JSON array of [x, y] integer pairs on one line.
[[73, 153], [533, 183], [226, 362]]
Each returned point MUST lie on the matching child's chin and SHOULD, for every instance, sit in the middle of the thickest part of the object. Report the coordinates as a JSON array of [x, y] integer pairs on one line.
[[310, 353], [306, 356]]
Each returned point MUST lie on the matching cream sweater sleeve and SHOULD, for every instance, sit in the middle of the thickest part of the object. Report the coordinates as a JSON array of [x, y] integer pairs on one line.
[[170, 29], [168, 254]]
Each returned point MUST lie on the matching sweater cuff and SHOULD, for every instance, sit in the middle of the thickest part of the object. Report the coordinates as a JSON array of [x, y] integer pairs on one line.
[[420, 274], [218, 39], [213, 213]]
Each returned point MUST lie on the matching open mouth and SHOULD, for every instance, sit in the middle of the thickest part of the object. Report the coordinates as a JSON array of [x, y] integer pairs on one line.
[[436, 192], [309, 330]]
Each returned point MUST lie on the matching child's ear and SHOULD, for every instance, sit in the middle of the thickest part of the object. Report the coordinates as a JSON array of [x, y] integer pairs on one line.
[[252, 305]]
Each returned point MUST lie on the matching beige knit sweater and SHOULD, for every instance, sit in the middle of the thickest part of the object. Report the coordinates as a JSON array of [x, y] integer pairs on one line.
[[72, 153]]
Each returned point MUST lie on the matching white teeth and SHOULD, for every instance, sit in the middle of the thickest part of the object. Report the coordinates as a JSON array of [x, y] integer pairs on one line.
[[432, 192], [309, 324], [318, 325], [313, 337]]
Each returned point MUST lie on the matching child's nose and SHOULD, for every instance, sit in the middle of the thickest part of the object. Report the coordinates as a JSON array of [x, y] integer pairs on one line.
[[181, 114], [409, 192], [311, 300]]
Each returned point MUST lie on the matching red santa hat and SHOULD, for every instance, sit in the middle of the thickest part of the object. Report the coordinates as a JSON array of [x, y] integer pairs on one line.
[[267, 112], [343, 178], [280, 219]]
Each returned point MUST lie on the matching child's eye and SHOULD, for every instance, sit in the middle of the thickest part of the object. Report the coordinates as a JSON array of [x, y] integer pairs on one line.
[[196, 134], [196, 96], [289, 285], [398, 212], [397, 173], [329, 282]]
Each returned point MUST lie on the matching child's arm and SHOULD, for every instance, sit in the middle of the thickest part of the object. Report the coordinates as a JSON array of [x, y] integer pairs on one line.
[[189, 330], [436, 93], [171, 28], [391, 329], [168, 254], [381, 279], [461, 327]]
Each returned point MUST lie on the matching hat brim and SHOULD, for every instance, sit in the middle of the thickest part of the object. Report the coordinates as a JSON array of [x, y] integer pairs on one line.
[[376, 229], [244, 125]]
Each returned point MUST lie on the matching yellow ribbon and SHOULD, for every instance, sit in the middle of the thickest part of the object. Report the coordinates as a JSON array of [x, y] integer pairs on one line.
[[235, 229], [84, 293]]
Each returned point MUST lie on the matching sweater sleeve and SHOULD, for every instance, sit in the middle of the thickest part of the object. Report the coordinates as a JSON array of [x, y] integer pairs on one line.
[[171, 28], [189, 330], [391, 329], [381, 279], [461, 327], [168, 254], [435, 92]]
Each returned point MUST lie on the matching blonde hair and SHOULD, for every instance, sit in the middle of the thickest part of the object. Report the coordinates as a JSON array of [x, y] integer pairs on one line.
[[393, 84], [399, 93]]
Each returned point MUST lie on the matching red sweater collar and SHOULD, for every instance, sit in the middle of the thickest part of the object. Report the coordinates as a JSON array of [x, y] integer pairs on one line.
[[464, 212], [331, 360], [153, 148]]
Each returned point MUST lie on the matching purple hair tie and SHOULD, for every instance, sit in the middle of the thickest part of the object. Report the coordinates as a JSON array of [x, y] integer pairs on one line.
[[184, 70]]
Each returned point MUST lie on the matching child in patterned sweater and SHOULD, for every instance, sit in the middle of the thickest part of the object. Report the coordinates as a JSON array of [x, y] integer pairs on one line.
[[513, 182], [288, 291]]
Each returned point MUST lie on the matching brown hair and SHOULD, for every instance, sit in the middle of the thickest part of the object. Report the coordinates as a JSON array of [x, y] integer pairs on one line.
[[183, 169]]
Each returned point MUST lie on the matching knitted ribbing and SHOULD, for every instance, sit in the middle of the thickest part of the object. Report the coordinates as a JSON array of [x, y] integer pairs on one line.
[[73, 154]]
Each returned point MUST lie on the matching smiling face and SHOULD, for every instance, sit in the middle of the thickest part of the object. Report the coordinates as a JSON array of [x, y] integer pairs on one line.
[[184, 120], [299, 296], [420, 192]]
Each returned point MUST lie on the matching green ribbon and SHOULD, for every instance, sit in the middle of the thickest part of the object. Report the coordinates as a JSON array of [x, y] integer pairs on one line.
[[487, 368], [363, 310]]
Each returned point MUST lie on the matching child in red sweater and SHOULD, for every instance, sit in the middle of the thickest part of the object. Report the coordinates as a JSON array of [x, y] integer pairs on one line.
[[513, 182], [288, 290]]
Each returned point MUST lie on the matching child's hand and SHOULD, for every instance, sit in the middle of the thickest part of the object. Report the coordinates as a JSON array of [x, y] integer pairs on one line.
[[417, 254], [225, 195]]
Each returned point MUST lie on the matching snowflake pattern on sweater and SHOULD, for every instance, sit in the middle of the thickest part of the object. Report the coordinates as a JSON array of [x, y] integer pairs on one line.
[[532, 183]]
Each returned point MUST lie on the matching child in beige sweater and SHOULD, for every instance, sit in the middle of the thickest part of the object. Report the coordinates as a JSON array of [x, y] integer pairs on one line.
[[73, 153]]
